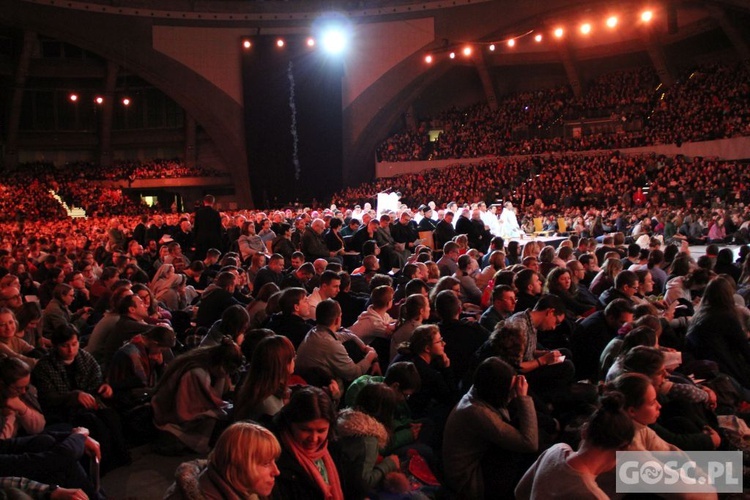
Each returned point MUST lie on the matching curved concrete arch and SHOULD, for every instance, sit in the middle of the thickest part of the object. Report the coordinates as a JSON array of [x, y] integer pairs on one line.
[[127, 42], [373, 113]]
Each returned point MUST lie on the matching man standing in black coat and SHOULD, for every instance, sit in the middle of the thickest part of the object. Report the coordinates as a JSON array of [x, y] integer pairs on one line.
[[207, 228], [444, 231], [463, 224]]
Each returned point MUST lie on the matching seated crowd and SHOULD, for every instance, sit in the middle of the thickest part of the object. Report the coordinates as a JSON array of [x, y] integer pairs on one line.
[[709, 102], [567, 184], [26, 191], [332, 354]]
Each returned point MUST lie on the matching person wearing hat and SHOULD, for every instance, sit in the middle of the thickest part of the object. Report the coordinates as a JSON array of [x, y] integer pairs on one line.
[[425, 222], [137, 366]]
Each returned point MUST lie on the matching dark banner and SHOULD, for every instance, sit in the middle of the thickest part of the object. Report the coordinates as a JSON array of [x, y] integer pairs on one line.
[[292, 120]]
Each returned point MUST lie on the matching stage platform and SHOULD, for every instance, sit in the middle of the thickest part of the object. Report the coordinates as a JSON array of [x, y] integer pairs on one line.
[[695, 250]]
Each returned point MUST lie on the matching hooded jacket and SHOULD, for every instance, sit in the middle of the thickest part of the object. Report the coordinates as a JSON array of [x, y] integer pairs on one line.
[[195, 480], [371, 324], [360, 439]]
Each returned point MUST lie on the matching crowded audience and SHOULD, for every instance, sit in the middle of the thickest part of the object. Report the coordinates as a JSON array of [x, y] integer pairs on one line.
[[135, 346], [442, 348], [707, 102]]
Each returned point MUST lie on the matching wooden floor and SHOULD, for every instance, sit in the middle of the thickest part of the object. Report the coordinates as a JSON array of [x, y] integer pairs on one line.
[[147, 478]]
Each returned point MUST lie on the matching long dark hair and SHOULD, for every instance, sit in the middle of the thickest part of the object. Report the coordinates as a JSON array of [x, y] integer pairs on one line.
[[718, 298], [226, 355], [512, 252], [268, 374]]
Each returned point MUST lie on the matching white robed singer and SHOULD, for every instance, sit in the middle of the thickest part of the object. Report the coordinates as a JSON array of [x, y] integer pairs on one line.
[[509, 227]]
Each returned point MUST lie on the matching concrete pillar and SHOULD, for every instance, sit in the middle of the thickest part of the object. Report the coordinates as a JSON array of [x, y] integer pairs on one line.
[[484, 75], [108, 109], [658, 59], [571, 68], [410, 119], [16, 101], [191, 149]]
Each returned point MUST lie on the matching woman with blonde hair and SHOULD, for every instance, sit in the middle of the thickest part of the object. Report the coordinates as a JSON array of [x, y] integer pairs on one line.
[[433, 273], [12, 345], [606, 277], [241, 465], [531, 249], [463, 243], [264, 391], [496, 263]]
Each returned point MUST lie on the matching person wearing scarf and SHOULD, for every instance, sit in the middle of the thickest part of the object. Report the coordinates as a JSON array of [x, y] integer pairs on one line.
[[307, 468]]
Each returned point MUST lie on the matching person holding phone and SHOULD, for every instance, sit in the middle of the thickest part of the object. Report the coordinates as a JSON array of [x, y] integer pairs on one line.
[[481, 434]]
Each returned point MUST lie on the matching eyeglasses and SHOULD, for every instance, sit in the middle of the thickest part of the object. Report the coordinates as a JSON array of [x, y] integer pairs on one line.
[[439, 341]]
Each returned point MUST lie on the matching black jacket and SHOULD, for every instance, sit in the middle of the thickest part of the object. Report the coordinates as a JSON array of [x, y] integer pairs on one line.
[[444, 232], [290, 326], [212, 305]]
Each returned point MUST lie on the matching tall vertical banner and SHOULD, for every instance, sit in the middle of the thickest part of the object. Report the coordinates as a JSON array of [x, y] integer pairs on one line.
[[293, 120]]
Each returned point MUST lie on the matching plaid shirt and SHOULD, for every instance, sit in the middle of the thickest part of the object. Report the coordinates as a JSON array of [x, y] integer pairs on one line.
[[55, 390], [33, 489], [522, 319]]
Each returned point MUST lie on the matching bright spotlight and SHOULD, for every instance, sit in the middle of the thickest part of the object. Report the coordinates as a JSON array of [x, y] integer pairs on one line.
[[452, 55], [73, 97], [559, 32], [467, 51], [612, 21], [428, 59], [311, 42], [492, 47], [99, 99], [125, 101], [538, 38], [511, 43], [586, 28], [646, 16], [247, 44], [279, 42], [334, 40]]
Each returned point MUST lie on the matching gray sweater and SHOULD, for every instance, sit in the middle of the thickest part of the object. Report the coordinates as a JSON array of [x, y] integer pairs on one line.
[[472, 429]]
